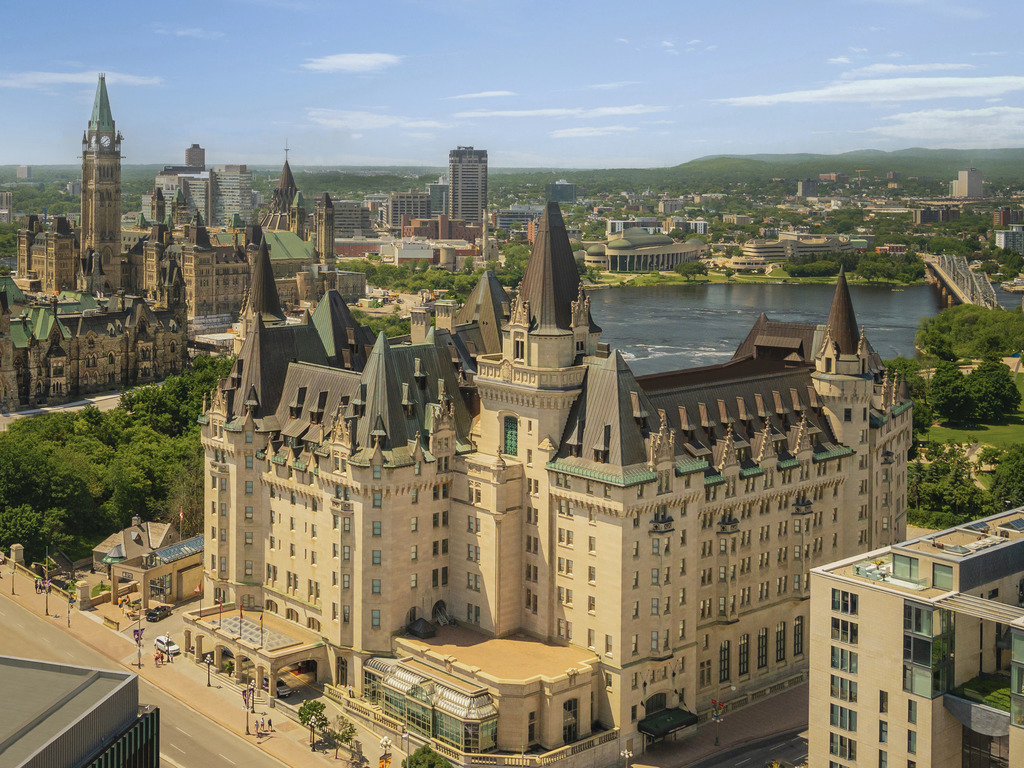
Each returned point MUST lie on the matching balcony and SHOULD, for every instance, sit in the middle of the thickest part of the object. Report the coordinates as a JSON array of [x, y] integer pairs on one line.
[[982, 704], [662, 524]]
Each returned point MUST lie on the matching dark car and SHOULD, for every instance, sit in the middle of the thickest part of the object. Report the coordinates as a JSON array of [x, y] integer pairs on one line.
[[158, 613]]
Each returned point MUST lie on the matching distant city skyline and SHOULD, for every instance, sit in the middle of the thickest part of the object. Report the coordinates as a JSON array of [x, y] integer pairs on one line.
[[565, 85]]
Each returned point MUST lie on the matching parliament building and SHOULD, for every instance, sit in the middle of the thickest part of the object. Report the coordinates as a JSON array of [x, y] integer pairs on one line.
[[508, 543]]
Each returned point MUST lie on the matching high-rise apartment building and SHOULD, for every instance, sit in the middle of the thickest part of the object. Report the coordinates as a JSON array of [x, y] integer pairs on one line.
[[591, 532], [807, 188], [467, 184], [917, 651], [1011, 239], [1004, 217], [195, 157], [6, 207], [415, 205], [438, 191], [968, 184], [231, 188]]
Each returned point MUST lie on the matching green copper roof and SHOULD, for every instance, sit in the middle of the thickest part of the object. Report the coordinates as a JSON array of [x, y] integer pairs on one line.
[[101, 119], [288, 245]]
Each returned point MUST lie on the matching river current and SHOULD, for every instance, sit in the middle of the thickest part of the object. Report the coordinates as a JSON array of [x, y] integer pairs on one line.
[[663, 328]]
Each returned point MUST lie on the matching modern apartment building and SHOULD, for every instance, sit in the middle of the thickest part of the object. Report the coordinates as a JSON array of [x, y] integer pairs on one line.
[[967, 184], [1001, 217], [591, 532], [467, 184], [1011, 239], [415, 205], [917, 652], [231, 188], [6, 207]]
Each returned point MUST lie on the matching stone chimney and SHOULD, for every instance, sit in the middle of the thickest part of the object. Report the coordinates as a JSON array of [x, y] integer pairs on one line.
[[419, 324], [444, 315]]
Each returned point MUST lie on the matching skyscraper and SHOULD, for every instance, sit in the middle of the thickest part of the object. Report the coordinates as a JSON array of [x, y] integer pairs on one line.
[[195, 157], [968, 183], [467, 184]]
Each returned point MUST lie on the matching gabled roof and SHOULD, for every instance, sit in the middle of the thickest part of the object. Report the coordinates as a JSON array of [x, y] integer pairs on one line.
[[263, 299], [343, 338], [842, 323], [101, 119], [263, 361], [551, 283], [383, 415], [612, 416], [488, 307]]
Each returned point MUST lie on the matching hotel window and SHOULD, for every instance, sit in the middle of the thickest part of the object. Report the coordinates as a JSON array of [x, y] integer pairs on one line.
[[744, 656], [248, 486], [723, 662], [248, 567], [762, 648], [375, 618], [413, 581], [375, 586], [376, 557], [248, 538], [510, 445], [377, 499], [248, 513]]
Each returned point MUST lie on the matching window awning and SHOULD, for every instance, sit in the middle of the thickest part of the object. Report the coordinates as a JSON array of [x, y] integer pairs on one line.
[[666, 721]]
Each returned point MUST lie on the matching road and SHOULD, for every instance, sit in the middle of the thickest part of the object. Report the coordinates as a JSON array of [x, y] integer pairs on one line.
[[102, 402], [789, 749], [186, 738]]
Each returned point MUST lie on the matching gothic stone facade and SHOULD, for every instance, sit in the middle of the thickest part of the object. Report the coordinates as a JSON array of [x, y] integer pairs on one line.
[[507, 470]]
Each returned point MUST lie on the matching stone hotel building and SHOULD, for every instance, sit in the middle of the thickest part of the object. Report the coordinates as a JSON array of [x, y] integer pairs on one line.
[[506, 542]]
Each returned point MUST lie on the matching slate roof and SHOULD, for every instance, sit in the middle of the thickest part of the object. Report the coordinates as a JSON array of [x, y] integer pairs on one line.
[[488, 307], [259, 371], [842, 323], [345, 341], [612, 416], [775, 340], [263, 300], [551, 282]]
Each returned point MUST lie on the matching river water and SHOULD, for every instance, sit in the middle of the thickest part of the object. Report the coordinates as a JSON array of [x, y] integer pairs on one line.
[[667, 327]]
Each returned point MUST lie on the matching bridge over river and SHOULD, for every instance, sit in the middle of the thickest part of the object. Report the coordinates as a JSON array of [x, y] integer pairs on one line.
[[957, 283]]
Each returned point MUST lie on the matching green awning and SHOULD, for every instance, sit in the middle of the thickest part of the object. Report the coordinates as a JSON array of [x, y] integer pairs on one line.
[[666, 721]]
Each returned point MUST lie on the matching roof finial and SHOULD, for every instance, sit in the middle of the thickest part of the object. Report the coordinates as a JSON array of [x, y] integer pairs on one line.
[[286, 150]]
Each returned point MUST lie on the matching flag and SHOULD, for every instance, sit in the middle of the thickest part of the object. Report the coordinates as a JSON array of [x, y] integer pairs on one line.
[[198, 589], [181, 514], [261, 620], [240, 613]]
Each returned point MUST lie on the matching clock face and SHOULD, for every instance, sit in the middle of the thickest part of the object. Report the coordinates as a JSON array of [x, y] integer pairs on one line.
[[105, 141]]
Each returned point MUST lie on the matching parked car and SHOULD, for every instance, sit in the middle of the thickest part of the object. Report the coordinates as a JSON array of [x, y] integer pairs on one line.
[[165, 644], [158, 613], [283, 689]]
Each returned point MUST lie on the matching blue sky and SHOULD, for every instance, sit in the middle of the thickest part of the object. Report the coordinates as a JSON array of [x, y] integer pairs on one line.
[[563, 83]]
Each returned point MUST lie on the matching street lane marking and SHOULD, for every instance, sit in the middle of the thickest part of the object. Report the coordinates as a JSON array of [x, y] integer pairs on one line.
[[175, 746], [229, 760], [745, 760], [777, 746]]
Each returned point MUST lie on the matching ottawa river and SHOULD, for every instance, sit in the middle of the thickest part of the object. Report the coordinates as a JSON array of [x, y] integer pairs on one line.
[[667, 327]]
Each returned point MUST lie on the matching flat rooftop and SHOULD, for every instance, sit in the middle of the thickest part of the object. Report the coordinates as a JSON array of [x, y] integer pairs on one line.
[[517, 657], [45, 699]]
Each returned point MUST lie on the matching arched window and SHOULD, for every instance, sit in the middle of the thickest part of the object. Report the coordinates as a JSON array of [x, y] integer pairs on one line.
[[270, 606], [292, 615], [313, 624], [110, 359]]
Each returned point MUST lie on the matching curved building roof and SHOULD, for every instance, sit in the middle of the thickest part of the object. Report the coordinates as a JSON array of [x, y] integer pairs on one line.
[[635, 237]]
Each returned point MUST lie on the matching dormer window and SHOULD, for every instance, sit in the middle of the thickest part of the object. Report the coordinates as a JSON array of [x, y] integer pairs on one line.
[[519, 349]]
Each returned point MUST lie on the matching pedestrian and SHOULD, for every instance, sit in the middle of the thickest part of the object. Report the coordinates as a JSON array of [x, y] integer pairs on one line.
[[263, 724], [351, 693], [270, 725]]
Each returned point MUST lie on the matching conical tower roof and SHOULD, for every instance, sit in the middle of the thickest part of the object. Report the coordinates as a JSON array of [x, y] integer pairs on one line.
[[488, 307], [842, 323], [263, 300], [551, 282], [383, 415], [287, 181], [101, 119]]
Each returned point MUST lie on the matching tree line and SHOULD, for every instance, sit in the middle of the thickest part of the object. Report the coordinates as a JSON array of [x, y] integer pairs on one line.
[[69, 479]]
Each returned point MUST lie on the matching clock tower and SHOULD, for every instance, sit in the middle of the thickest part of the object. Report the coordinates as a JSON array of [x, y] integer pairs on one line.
[[101, 186]]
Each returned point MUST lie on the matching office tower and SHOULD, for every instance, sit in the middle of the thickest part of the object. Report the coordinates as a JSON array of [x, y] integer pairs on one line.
[[467, 184], [195, 157]]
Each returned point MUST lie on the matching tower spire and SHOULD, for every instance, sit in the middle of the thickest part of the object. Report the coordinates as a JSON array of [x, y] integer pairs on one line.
[[842, 323], [101, 119]]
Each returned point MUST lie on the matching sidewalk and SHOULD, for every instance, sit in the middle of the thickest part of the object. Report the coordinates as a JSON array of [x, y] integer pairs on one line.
[[289, 742], [186, 681], [786, 711]]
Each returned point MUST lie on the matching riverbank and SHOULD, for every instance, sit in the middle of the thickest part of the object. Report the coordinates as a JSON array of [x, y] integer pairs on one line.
[[776, 277]]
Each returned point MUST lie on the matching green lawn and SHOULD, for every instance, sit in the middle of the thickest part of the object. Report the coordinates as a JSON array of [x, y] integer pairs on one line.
[[999, 435]]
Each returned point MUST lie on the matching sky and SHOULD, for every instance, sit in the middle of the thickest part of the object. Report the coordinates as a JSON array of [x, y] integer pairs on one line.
[[559, 83]]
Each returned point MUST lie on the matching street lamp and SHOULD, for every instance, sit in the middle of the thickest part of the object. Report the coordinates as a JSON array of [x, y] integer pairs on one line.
[[245, 705], [405, 740], [209, 663], [385, 746], [626, 754]]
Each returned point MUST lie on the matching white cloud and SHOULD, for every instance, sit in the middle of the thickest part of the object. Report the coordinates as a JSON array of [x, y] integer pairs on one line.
[[989, 53], [352, 62], [483, 95], [858, 50], [695, 41], [610, 86], [199, 34], [667, 44], [49, 79], [905, 69], [586, 132], [367, 121], [894, 89], [839, 60], [633, 109], [985, 127]]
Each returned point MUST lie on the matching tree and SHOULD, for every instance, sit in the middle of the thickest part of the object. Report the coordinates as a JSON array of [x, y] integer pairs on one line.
[[995, 394], [1008, 481], [948, 394], [943, 488], [342, 732], [425, 757], [690, 269], [311, 715]]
